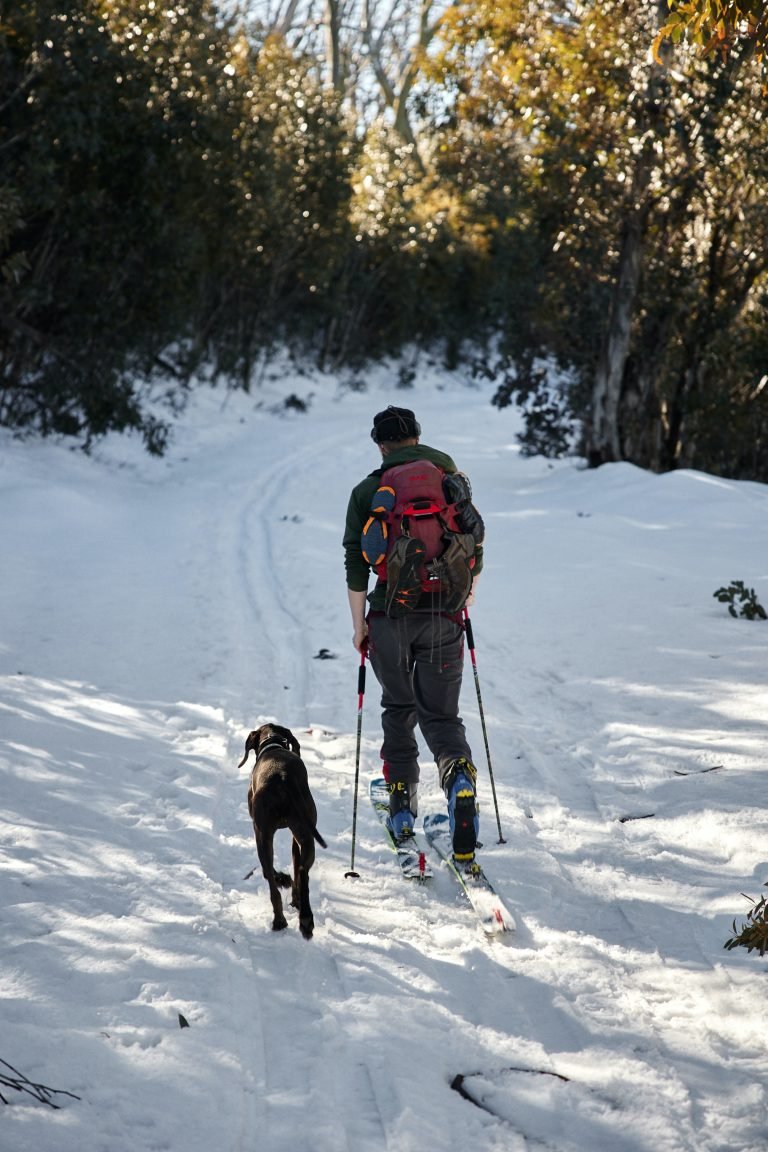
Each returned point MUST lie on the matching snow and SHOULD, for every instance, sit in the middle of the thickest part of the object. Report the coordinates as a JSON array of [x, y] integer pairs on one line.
[[152, 612]]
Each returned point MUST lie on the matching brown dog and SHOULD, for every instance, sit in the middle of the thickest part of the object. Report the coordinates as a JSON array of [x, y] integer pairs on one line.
[[279, 797]]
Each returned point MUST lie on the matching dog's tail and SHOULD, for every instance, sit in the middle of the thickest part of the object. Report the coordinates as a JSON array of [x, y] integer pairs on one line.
[[301, 803]]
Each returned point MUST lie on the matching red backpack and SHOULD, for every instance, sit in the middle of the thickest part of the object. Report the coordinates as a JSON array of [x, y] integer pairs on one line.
[[421, 536]]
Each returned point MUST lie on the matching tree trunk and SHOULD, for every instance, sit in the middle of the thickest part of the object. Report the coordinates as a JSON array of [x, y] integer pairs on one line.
[[396, 91], [604, 434], [333, 37], [604, 443]]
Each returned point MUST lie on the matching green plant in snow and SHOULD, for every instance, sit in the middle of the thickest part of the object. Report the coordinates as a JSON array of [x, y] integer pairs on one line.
[[754, 934], [749, 605]]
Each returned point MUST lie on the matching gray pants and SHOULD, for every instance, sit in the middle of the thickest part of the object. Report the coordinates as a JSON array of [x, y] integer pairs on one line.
[[418, 660]]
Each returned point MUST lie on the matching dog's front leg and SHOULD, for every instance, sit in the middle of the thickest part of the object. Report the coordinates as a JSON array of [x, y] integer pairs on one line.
[[265, 850]]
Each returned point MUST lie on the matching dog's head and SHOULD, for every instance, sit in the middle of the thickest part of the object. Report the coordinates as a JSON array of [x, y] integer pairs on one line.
[[267, 732]]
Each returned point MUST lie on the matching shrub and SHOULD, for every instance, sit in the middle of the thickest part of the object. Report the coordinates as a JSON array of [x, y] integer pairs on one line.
[[754, 934], [749, 605]]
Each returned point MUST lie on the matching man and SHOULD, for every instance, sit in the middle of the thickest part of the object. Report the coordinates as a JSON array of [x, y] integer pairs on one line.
[[417, 658]]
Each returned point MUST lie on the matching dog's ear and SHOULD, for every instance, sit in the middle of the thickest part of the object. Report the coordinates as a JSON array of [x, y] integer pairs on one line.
[[251, 742]]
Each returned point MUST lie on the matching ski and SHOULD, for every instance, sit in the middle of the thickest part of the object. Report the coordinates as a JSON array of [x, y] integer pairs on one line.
[[410, 854], [494, 918]]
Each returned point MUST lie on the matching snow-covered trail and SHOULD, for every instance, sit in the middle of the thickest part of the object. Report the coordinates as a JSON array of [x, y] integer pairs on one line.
[[154, 611]]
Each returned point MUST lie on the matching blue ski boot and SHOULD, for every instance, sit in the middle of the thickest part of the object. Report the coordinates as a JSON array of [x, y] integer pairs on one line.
[[402, 809], [459, 786]]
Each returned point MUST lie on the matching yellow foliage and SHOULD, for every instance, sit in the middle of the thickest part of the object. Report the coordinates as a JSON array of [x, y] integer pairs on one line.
[[716, 25]]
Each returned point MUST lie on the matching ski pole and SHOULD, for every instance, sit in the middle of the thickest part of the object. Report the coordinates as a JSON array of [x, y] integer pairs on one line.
[[471, 646], [360, 695]]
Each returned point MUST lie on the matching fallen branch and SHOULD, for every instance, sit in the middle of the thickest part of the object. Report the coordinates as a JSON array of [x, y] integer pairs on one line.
[[699, 771], [20, 1083], [458, 1085]]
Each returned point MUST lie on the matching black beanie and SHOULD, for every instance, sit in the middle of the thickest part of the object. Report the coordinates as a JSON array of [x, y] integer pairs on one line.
[[394, 424]]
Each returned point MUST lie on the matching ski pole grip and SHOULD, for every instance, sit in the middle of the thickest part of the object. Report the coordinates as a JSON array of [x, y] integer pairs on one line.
[[468, 627], [361, 679]]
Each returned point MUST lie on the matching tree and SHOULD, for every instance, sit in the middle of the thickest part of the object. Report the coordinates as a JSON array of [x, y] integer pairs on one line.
[[644, 185], [716, 25], [370, 52], [280, 257], [110, 115]]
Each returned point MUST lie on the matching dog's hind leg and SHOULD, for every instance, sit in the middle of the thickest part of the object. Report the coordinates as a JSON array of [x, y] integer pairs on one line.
[[265, 849], [303, 859]]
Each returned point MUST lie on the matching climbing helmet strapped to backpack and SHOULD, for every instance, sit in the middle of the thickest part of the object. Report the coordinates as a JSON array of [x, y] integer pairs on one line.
[[421, 536]]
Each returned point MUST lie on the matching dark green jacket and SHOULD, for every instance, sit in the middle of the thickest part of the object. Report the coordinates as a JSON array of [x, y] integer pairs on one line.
[[359, 509]]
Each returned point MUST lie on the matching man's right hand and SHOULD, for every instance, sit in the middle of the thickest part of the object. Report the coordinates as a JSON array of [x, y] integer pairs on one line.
[[357, 605], [360, 637]]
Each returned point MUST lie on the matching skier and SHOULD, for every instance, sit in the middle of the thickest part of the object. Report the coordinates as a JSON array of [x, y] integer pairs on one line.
[[417, 657]]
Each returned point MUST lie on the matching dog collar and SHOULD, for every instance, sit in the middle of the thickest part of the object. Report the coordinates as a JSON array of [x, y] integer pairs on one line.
[[274, 742]]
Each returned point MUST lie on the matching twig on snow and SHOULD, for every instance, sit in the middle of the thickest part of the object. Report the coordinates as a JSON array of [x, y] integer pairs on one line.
[[20, 1083]]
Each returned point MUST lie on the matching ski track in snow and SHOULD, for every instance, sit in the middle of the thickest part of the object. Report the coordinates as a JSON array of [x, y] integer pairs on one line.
[[613, 1021]]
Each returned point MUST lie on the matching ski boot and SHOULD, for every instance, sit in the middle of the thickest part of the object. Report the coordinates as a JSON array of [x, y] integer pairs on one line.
[[402, 809], [459, 786]]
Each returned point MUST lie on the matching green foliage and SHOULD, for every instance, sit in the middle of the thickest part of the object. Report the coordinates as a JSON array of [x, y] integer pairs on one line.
[[545, 406], [181, 189], [737, 593], [594, 148], [754, 934], [108, 118], [277, 267]]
